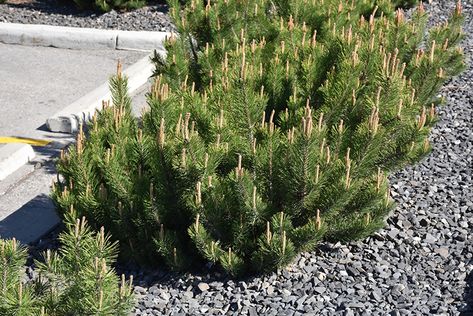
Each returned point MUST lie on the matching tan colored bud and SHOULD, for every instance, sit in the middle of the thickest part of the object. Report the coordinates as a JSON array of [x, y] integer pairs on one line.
[[374, 120], [322, 148], [119, 69], [379, 180], [263, 117], [284, 241], [287, 69], [184, 157], [198, 195], [413, 95], [445, 44], [459, 8], [268, 233], [254, 198], [290, 24], [209, 181], [314, 39], [347, 177], [399, 108], [321, 118], [161, 137], [420, 8], [422, 119], [441, 73], [432, 111], [432, 52], [426, 144], [197, 218]]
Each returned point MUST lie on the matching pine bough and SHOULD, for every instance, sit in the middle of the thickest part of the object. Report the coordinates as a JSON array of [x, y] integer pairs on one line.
[[76, 280], [271, 125]]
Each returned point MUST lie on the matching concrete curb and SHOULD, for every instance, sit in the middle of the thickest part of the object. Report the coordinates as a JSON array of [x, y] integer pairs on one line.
[[14, 156], [68, 119], [80, 38], [141, 40]]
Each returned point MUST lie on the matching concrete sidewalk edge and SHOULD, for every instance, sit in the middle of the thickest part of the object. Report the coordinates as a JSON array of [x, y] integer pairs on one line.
[[80, 38], [13, 156], [68, 119]]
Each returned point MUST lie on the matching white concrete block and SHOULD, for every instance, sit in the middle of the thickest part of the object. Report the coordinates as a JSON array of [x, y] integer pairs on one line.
[[141, 40], [13, 156], [57, 36]]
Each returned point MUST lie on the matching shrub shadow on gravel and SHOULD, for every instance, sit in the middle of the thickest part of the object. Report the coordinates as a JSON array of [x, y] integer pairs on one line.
[[468, 296], [162, 276], [52, 7]]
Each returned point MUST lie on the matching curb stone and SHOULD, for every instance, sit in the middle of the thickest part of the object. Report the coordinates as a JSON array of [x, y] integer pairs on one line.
[[13, 156], [141, 40], [80, 38]]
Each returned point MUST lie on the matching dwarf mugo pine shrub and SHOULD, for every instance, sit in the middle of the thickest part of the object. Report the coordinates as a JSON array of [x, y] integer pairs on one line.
[[271, 125]]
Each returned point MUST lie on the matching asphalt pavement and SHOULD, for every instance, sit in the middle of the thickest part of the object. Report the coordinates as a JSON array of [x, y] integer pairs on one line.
[[37, 82]]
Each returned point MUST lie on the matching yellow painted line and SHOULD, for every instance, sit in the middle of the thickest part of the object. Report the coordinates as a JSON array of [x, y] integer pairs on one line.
[[30, 141]]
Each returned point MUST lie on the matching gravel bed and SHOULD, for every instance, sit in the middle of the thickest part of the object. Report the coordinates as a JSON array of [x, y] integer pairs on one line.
[[63, 13], [419, 264]]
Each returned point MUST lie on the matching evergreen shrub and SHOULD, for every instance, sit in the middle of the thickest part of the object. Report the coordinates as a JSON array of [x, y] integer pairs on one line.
[[271, 125], [75, 280]]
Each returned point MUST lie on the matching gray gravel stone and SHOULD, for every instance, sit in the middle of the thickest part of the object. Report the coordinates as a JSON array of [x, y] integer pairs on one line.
[[56, 12], [203, 287]]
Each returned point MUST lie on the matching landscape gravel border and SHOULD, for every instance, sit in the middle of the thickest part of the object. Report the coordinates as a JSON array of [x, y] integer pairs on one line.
[[151, 17]]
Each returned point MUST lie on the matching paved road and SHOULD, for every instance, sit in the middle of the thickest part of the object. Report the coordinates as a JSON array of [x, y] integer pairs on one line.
[[36, 82]]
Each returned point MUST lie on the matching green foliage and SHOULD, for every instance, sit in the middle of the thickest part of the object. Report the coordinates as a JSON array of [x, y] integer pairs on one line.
[[76, 280], [271, 125], [107, 5]]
